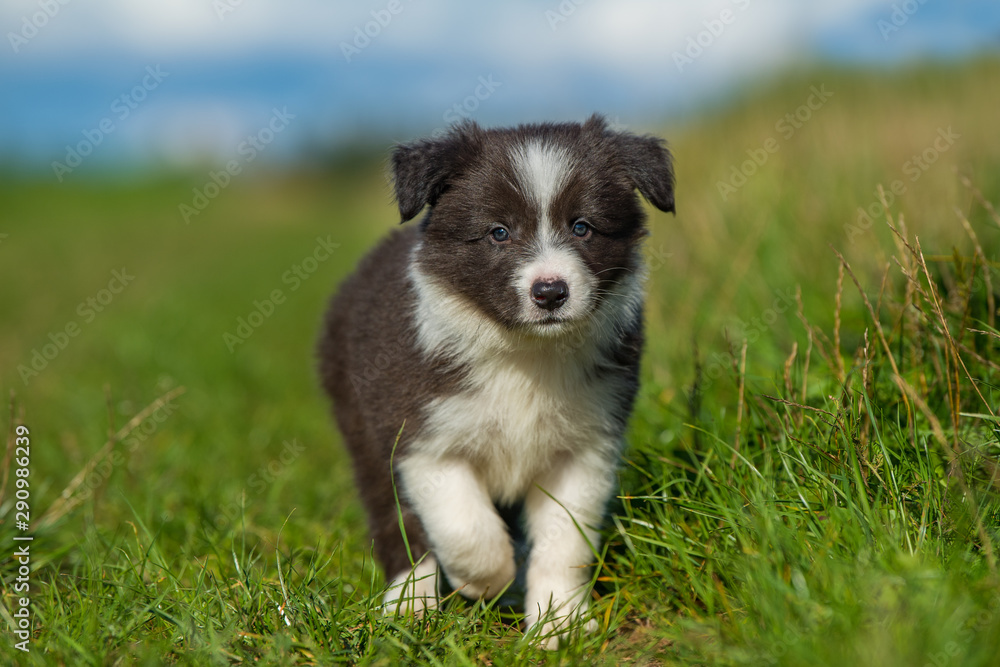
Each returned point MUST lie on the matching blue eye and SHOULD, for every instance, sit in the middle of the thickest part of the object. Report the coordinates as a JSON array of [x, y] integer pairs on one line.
[[500, 235], [581, 228]]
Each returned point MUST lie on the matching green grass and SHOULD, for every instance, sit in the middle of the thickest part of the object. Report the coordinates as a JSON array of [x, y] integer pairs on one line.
[[804, 484]]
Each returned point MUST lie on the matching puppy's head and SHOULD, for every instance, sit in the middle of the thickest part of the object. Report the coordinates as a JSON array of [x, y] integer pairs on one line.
[[536, 225]]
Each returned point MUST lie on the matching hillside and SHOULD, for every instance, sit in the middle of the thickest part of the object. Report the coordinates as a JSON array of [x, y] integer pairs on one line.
[[812, 470]]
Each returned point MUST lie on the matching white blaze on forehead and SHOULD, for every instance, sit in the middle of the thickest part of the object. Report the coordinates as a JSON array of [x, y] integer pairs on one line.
[[542, 170]]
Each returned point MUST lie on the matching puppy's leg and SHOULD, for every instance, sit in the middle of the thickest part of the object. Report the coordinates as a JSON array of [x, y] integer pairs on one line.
[[414, 590], [563, 511], [466, 534], [413, 586]]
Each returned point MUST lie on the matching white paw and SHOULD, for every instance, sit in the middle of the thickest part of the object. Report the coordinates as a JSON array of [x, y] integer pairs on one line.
[[484, 573], [413, 591], [550, 621]]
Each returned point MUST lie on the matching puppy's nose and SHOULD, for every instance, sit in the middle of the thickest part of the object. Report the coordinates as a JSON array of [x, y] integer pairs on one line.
[[549, 295]]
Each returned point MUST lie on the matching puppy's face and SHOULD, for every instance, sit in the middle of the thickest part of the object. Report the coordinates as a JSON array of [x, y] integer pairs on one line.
[[535, 226]]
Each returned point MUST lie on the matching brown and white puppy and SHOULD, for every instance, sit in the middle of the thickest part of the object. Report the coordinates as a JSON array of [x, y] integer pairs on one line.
[[505, 331]]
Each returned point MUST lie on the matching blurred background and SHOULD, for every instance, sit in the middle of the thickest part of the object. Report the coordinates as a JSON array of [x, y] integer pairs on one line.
[[167, 167], [184, 183], [373, 72]]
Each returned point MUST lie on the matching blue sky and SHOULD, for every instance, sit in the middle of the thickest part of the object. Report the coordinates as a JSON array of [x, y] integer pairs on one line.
[[393, 69]]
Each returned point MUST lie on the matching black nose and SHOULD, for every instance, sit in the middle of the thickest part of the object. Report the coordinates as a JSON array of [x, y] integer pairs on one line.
[[549, 295]]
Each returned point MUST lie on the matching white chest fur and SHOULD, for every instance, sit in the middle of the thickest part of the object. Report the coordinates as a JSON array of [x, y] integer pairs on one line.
[[522, 402], [515, 414]]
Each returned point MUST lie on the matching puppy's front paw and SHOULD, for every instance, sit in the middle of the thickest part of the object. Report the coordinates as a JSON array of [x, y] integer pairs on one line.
[[413, 591], [551, 617], [483, 572]]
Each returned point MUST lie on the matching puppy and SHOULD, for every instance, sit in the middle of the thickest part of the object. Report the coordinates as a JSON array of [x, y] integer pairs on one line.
[[489, 357]]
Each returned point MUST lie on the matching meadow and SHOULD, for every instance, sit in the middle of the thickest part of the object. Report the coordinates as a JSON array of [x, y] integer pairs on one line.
[[813, 465]]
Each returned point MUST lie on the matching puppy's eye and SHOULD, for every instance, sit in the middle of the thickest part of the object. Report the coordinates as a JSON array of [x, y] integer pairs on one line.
[[581, 228], [500, 235]]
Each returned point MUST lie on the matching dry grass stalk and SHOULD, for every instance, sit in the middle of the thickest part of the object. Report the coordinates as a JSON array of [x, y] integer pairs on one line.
[[871, 311], [990, 303], [787, 376], [739, 403], [986, 203], [953, 455], [68, 499], [936, 305], [839, 367], [10, 448]]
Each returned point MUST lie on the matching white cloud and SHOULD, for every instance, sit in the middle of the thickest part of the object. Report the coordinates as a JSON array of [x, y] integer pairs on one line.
[[626, 34], [614, 55]]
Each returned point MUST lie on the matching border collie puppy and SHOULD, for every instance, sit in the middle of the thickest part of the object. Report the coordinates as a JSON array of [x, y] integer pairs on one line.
[[489, 357]]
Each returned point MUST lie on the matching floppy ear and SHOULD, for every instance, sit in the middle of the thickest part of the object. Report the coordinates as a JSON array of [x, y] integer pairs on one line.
[[421, 169], [651, 167], [646, 160]]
